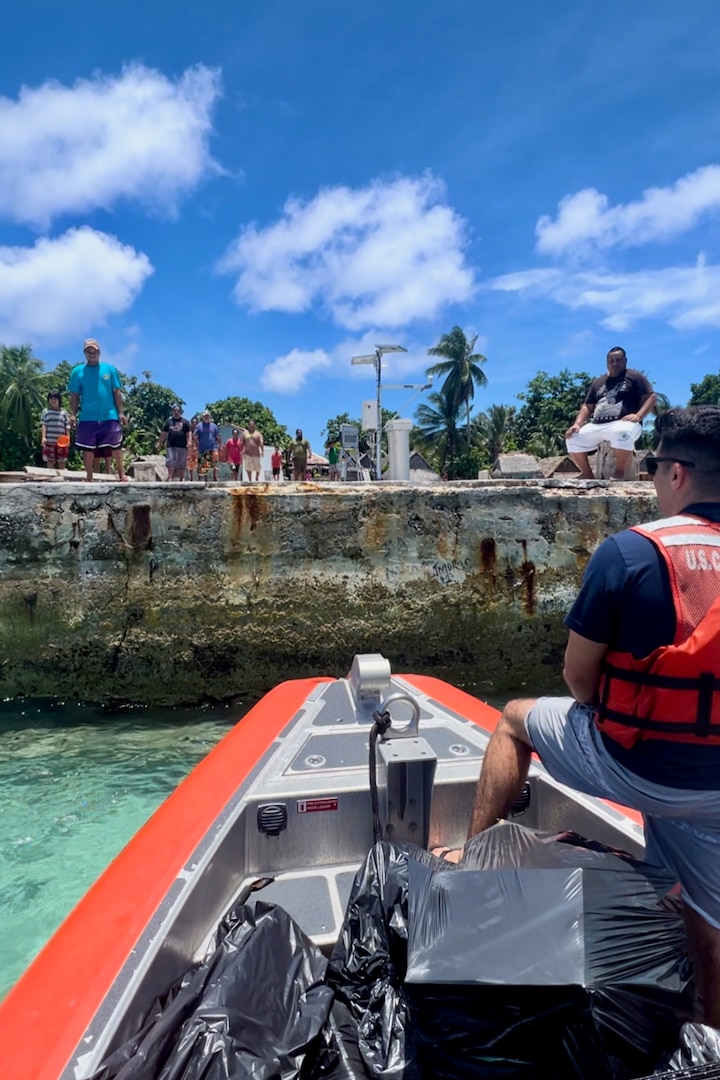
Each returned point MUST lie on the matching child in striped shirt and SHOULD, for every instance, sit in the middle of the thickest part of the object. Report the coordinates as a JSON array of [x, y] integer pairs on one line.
[[55, 424]]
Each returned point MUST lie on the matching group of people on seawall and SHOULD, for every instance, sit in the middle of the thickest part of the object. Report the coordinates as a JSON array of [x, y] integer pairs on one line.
[[194, 447], [613, 412]]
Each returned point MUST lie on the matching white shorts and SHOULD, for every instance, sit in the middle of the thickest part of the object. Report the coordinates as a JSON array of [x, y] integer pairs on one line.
[[621, 434]]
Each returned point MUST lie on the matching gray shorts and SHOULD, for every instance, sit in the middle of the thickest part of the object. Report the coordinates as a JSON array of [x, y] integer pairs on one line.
[[682, 828], [176, 457]]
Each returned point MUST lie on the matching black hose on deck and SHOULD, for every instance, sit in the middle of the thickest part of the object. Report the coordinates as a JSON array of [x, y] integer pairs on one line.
[[383, 720]]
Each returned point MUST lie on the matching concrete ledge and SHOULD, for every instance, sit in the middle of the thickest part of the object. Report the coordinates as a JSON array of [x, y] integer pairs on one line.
[[163, 593]]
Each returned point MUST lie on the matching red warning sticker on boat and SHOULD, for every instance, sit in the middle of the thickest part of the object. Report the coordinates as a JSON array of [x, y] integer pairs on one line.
[[315, 806]]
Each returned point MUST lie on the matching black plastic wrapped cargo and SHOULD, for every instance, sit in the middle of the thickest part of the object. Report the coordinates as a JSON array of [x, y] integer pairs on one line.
[[536, 956]]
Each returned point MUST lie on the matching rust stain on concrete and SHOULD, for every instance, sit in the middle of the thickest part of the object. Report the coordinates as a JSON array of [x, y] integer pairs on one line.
[[250, 508], [310, 576]]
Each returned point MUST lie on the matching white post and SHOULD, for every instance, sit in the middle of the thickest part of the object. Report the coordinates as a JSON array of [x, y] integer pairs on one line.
[[398, 433]]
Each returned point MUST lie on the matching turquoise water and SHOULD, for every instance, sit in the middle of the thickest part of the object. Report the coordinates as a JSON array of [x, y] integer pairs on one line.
[[75, 785]]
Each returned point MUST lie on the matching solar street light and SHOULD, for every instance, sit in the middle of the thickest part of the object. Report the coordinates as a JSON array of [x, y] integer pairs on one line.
[[376, 360]]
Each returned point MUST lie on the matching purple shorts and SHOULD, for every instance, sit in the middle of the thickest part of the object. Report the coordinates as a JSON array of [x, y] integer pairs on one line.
[[94, 435]]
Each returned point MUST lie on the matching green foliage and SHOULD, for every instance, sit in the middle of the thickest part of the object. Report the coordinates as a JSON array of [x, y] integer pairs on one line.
[[461, 369], [240, 410], [437, 434], [551, 404], [706, 392], [21, 392], [470, 461], [495, 431], [58, 379]]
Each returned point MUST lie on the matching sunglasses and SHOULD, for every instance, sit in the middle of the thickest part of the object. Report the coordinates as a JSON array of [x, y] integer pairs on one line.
[[652, 462]]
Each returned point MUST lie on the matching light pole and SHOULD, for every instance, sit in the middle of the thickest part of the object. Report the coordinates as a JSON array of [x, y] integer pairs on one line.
[[376, 359]]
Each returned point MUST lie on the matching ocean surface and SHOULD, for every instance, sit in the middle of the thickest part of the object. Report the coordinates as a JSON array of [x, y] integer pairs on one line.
[[75, 784]]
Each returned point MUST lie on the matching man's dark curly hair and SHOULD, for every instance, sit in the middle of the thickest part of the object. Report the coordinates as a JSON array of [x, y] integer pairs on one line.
[[693, 434]]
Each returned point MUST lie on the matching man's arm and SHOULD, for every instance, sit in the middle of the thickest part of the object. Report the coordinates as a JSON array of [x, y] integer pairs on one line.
[[580, 420], [74, 403], [647, 404], [583, 663], [117, 394]]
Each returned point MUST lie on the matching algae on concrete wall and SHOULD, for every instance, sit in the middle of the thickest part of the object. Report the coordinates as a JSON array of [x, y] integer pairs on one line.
[[166, 594]]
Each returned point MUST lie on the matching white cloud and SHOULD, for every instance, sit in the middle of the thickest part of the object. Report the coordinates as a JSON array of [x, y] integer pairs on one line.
[[138, 135], [586, 219], [288, 374], [58, 288], [381, 255], [687, 297]]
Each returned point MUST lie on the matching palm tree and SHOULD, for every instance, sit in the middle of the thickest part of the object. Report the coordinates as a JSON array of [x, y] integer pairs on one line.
[[663, 404], [647, 438], [21, 390], [461, 368], [437, 429], [494, 429], [545, 444]]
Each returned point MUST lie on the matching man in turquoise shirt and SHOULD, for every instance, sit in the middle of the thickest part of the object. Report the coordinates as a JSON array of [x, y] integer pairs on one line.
[[94, 387]]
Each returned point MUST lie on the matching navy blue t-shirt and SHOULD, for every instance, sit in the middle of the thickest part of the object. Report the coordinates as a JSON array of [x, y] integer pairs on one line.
[[626, 601]]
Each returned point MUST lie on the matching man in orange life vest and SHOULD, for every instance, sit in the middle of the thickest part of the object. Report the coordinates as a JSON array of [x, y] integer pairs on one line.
[[649, 605]]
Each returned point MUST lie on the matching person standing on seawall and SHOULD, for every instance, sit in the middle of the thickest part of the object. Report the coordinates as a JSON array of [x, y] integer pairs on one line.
[[276, 462], [643, 726], [299, 451], [234, 454], [254, 450], [54, 426], [192, 451], [333, 459], [207, 436], [175, 432], [613, 412], [94, 390]]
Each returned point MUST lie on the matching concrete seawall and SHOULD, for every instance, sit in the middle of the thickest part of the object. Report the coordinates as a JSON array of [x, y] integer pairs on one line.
[[170, 593]]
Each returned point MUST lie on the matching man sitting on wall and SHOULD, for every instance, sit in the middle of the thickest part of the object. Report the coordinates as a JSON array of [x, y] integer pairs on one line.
[[613, 412]]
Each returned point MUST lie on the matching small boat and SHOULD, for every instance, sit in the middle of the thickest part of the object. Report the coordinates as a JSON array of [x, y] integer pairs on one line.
[[287, 799]]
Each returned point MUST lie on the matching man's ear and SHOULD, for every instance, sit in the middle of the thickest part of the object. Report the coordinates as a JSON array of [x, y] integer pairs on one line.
[[681, 474]]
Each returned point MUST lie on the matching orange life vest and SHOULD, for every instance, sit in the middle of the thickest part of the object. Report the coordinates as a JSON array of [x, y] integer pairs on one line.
[[674, 693]]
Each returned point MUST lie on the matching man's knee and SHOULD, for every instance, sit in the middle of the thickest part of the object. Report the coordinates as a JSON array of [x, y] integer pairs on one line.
[[514, 715]]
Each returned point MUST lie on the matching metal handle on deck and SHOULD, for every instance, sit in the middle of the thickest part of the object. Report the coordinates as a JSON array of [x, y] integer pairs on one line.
[[409, 730]]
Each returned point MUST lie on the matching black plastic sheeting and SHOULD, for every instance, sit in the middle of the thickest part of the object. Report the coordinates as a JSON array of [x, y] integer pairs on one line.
[[537, 956], [697, 1057], [252, 1010]]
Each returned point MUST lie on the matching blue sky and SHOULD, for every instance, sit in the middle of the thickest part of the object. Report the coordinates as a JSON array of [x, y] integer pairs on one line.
[[239, 198]]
